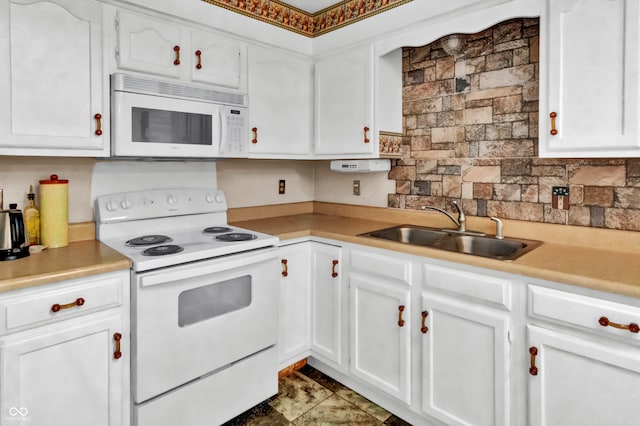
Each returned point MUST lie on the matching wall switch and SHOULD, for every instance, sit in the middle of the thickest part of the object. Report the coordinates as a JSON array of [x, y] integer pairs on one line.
[[560, 197], [356, 187], [281, 186]]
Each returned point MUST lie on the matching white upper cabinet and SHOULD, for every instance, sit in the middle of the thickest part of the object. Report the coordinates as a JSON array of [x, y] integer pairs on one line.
[[344, 87], [589, 78], [54, 91], [280, 104], [154, 46]]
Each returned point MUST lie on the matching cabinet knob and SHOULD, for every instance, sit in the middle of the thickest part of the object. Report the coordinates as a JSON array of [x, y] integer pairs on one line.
[[632, 327], [98, 118], [177, 50], [57, 307], [424, 327], [400, 320], [285, 268], [553, 116], [334, 263], [199, 56], [117, 354], [366, 139], [533, 370], [255, 135]]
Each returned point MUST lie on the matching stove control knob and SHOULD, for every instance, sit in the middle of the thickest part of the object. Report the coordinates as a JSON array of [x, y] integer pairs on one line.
[[209, 198], [219, 198], [172, 200], [111, 206], [126, 204]]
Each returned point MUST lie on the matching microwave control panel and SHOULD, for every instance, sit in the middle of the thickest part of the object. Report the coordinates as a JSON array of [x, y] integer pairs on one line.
[[235, 122]]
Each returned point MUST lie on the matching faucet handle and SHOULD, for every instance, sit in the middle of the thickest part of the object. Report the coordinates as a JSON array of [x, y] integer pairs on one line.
[[498, 227]]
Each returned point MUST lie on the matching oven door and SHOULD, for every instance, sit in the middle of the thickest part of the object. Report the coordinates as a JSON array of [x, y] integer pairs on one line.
[[191, 320]]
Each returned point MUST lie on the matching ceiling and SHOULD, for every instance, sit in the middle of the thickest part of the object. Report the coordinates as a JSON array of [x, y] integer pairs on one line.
[[311, 6]]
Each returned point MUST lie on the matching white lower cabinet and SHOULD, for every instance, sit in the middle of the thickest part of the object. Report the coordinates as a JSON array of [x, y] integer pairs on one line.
[[465, 349], [293, 344], [584, 359], [380, 322], [326, 303], [67, 366]]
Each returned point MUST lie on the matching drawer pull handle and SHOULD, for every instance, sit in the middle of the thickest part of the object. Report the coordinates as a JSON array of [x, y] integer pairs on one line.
[[57, 307], [424, 327], [199, 56], [533, 370], [285, 269], [366, 139], [255, 135], [632, 327], [553, 116], [333, 268], [177, 50], [400, 320], [117, 354], [98, 118]]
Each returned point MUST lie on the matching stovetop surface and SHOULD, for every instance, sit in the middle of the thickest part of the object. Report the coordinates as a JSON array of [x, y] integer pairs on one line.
[[182, 215]]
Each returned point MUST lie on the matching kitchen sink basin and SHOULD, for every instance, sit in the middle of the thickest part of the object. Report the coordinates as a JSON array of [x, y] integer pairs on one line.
[[506, 249], [410, 234], [485, 246]]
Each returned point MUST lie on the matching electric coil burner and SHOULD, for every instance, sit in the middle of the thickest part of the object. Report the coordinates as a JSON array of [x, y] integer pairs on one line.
[[148, 240], [236, 236], [162, 250], [204, 305], [217, 229]]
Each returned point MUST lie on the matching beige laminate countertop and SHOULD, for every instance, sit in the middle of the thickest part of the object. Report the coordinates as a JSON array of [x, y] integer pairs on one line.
[[584, 266], [78, 259]]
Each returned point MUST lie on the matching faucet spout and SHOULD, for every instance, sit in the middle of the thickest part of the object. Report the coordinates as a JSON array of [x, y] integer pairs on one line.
[[444, 212]]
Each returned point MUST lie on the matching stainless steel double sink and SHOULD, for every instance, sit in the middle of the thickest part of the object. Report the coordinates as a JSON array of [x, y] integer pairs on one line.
[[456, 241]]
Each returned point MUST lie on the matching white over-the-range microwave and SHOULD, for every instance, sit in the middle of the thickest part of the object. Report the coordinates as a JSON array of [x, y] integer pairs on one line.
[[154, 118]]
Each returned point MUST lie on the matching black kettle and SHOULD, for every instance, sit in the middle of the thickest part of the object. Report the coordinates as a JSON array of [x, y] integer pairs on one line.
[[13, 238]]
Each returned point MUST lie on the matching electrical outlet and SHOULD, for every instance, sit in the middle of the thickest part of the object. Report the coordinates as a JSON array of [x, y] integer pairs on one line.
[[560, 197], [356, 187], [281, 186]]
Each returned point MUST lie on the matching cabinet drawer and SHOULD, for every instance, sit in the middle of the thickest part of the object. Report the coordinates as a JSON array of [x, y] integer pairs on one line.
[[585, 312], [379, 265], [38, 307], [496, 291]]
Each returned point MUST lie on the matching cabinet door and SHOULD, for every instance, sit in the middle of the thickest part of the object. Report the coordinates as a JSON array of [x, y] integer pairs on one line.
[[280, 93], [66, 376], [326, 305], [221, 61], [54, 91], [293, 344], [150, 45], [344, 104], [581, 381], [465, 362], [589, 78], [381, 334]]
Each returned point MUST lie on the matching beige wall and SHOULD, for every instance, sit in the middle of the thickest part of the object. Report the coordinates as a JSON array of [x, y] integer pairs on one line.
[[246, 183], [17, 173]]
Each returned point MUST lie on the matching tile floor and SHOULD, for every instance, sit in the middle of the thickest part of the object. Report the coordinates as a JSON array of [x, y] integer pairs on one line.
[[309, 397]]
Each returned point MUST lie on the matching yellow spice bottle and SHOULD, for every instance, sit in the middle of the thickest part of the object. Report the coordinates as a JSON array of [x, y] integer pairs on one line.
[[32, 218]]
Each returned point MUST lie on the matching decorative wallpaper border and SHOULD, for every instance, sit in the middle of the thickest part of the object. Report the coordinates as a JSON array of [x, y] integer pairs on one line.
[[293, 19]]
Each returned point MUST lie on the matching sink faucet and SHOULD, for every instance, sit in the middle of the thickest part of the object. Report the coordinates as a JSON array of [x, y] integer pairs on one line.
[[461, 222]]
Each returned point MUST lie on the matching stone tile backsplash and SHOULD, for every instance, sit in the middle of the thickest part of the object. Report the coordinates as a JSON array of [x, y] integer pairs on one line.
[[470, 133]]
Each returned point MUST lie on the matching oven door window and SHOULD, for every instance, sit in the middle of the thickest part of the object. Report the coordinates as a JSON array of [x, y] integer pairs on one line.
[[203, 303], [164, 126]]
